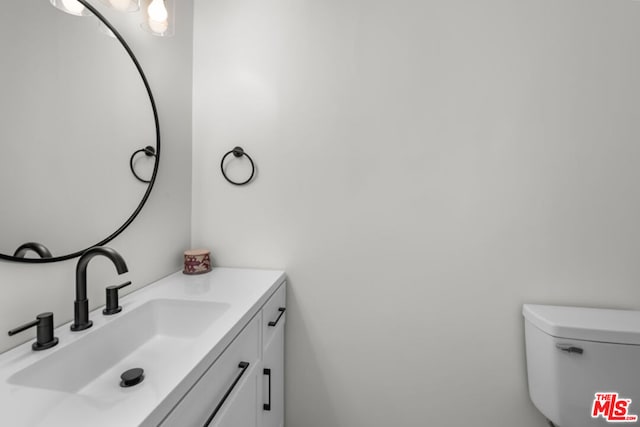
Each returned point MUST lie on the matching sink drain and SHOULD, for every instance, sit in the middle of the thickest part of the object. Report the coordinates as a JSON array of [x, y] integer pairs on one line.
[[132, 377]]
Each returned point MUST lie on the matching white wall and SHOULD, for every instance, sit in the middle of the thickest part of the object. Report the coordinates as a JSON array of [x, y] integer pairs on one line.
[[425, 167], [153, 244]]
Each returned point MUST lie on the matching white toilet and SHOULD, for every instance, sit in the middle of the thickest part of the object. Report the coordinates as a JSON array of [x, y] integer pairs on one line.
[[573, 353]]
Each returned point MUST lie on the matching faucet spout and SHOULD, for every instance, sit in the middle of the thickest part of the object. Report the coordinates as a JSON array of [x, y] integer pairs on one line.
[[38, 248], [81, 305]]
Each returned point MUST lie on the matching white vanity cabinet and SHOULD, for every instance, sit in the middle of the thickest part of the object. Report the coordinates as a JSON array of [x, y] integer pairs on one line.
[[244, 387], [211, 347]]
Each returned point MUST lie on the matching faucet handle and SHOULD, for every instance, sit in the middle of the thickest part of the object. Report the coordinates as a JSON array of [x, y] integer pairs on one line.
[[112, 299], [44, 331]]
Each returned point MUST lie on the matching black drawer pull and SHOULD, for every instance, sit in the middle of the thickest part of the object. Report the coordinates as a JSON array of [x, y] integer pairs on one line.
[[267, 406], [569, 348], [275, 322], [242, 365]]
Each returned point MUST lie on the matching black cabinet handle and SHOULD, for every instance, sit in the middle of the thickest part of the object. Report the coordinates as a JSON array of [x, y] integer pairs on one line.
[[569, 348], [267, 406], [275, 322], [242, 365]]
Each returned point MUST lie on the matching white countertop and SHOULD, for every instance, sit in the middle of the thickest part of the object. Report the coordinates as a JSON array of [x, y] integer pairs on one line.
[[244, 290]]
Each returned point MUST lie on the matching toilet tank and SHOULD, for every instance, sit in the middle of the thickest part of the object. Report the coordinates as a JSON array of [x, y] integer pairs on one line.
[[573, 353]]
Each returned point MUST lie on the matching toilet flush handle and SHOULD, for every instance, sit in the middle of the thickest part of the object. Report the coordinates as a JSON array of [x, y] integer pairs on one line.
[[569, 348]]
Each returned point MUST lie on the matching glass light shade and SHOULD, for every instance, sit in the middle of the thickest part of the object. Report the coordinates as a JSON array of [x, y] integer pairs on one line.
[[123, 5], [158, 17], [72, 7]]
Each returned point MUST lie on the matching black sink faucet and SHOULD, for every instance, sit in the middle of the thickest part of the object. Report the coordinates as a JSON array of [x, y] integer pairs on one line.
[[38, 248], [81, 305]]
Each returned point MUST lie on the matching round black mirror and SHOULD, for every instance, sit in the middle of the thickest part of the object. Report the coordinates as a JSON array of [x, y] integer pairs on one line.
[[75, 110]]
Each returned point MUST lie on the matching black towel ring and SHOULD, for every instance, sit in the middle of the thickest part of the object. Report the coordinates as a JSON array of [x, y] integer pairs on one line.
[[238, 152], [149, 151]]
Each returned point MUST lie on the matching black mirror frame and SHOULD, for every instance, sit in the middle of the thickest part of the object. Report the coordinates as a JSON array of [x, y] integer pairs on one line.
[[155, 167]]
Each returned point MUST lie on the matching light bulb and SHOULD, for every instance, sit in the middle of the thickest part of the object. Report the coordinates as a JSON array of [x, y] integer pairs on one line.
[[158, 19], [121, 5], [158, 16], [158, 27], [158, 11], [73, 6]]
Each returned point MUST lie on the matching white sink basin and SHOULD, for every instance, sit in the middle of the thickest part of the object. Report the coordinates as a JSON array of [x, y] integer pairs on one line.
[[155, 336]]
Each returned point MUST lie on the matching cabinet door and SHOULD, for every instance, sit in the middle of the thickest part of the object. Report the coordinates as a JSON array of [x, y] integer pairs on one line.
[[239, 410], [272, 387], [230, 380]]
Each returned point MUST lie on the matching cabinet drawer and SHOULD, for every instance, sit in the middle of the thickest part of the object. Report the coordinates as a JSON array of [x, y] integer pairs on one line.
[[273, 314], [225, 377]]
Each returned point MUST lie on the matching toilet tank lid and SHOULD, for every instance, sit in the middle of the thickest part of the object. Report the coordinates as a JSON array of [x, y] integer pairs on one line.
[[591, 324]]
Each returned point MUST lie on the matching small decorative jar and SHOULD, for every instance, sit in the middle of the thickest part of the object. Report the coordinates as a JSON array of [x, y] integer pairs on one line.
[[197, 261]]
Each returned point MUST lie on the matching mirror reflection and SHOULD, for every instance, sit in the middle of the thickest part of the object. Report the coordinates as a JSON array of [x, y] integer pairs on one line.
[[72, 112]]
